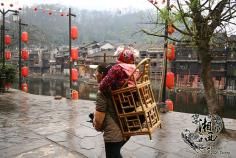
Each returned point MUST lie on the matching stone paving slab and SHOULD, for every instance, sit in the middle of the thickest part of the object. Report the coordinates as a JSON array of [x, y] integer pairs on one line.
[[89, 146], [49, 151], [39, 126], [230, 123], [17, 149]]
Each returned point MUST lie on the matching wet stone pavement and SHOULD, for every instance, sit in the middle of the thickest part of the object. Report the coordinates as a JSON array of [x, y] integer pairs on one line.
[[34, 126]]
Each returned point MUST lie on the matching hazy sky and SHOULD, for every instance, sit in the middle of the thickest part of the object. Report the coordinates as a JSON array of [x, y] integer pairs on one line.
[[87, 4]]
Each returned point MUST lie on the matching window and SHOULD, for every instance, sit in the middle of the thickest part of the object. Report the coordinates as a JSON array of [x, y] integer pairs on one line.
[[154, 64], [152, 55]]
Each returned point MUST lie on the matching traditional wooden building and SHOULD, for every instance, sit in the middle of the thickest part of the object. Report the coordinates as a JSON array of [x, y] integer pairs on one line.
[[187, 67], [156, 56], [231, 69], [97, 52], [35, 64]]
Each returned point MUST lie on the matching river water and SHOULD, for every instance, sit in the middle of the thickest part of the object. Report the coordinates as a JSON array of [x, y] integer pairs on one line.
[[184, 101]]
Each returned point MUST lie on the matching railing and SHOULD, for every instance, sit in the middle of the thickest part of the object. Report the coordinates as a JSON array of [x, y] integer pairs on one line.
[[100, 59], [186, 58], [219, 58]]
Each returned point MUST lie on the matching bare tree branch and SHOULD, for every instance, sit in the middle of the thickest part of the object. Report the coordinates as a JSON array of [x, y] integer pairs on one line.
[[197, 17], [218, 9], [231, 13], [216, 14], [233, 23], [157, 35], [181, 31], [229, 18], [183, 19], [203, 4], [229, 10], [157, 7]]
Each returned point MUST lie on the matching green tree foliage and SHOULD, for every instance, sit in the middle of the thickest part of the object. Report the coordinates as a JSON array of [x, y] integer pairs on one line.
[[8, 73]]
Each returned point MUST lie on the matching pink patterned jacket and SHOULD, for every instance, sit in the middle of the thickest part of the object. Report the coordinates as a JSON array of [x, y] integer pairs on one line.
[[117, 76]]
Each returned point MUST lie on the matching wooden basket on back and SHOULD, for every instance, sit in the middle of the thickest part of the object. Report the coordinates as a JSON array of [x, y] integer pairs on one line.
[[135, 105]]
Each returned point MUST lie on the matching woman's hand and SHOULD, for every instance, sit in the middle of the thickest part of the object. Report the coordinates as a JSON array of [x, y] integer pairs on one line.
[[98, 120]]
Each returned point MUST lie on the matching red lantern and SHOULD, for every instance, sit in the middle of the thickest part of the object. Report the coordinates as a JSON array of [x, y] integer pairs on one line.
[[24, 71], [24, 54], [74, 74], [74, 32], [170, 29], [7, 39], [169, 104], [170, 52], [24, 87], [7, 55], [170, 80], [24, 37], [74, 54], [74, 95]]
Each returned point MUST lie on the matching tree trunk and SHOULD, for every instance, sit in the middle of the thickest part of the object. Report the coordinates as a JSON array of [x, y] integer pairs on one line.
[[210, 92]]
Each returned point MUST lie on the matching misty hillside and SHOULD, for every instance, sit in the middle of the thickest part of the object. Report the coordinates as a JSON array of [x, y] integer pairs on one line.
[[121, 26]]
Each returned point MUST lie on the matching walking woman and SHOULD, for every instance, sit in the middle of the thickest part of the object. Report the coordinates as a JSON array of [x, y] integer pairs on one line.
[[105, 118]]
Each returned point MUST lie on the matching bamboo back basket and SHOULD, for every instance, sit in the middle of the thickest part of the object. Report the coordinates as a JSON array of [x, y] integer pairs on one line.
[[135, 106]]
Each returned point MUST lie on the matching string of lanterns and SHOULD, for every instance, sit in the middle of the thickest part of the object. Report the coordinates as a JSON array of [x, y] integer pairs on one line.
[[74, 57], [36, 9], [170, 76], [50, 11], [7, 54], [10, 5], [7, 41], [170, 54], [24, 56]]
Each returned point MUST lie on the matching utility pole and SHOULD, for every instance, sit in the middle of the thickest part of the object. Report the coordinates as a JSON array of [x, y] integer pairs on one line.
[[70, 14], [1, 56]]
